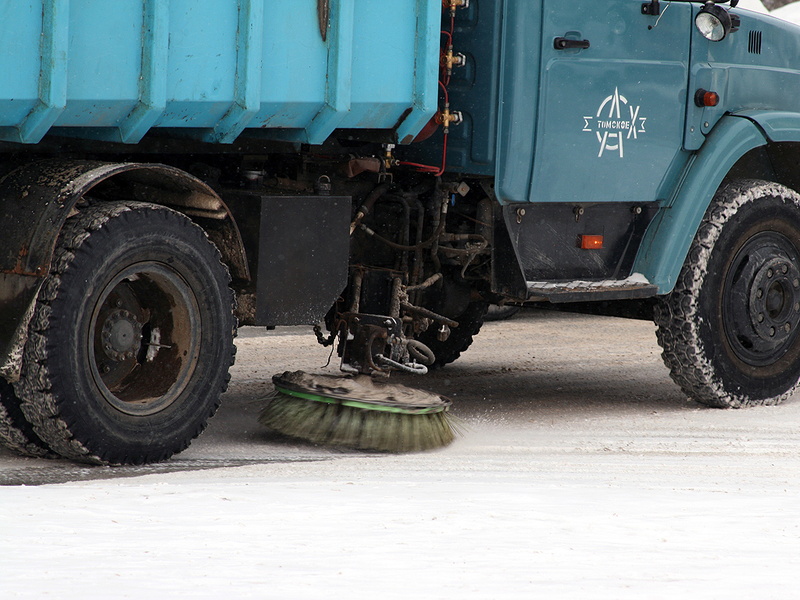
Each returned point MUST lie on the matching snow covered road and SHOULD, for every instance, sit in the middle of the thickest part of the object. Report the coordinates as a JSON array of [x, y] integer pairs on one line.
[[583, 474]]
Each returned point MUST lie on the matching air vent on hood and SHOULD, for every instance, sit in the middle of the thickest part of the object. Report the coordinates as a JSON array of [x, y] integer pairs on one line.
[[754, 43]]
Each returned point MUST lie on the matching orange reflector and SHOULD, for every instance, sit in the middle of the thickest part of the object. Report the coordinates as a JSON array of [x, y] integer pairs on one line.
[[710, 99], [703, 98], [591, 242]]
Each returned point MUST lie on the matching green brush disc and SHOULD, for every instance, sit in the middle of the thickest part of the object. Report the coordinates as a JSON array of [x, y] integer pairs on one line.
[[359, 392], [356, 412]]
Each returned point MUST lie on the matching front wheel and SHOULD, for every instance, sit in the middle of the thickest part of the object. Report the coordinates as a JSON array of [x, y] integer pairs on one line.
[[730, 330], [132, 336]]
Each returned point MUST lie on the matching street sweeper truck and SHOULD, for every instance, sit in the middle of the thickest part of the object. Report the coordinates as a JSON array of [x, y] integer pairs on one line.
[[380, 171]]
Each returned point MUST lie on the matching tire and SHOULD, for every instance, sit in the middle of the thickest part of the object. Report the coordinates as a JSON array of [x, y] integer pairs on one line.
[[499, 312], [469, 324], [132, 336], [16, 433], [730, 330]]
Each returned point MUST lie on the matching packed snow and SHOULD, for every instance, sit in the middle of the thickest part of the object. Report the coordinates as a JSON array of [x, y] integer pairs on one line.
[[583, 473]]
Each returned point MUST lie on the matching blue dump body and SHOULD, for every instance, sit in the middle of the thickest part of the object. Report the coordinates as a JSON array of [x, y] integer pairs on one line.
[[294, 69]]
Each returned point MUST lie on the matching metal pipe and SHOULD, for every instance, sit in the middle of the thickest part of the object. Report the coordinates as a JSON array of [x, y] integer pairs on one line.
[[424, 312], [425, 284]]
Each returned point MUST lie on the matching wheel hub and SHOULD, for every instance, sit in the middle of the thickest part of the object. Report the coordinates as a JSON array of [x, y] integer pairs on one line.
[[762, 299], [121, 335], [775, 300]]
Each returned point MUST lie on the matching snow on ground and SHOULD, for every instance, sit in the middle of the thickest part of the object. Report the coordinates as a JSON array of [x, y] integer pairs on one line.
[[375, 532], [584, 474]]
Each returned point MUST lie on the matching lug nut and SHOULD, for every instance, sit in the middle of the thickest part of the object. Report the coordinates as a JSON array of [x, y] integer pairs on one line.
[[771, 332], [785, 269], [787, 328], [760, 317], [760, 294], [796, 283], [770, 273], [797, 307]]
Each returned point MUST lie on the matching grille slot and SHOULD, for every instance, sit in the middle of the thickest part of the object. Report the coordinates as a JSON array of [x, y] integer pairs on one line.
[[754, 42]]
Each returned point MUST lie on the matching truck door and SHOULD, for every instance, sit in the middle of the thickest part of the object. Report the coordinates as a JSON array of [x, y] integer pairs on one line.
[[613, 100]]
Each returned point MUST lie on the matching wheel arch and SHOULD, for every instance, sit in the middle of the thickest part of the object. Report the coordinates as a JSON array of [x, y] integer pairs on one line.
[[669, 237], [35, 202]]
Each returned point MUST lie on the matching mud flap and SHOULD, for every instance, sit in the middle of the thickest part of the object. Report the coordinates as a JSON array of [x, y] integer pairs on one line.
[[304, 249]]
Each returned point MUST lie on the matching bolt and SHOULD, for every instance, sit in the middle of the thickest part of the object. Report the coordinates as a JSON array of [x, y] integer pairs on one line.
[[760, 317], [785, 269], [105, 369], [760, 294], [796, 283], [770, 273], [787, 328], [771, 332]]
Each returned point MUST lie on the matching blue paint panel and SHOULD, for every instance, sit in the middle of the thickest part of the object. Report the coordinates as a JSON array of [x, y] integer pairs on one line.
[[667, 242], [294, 74], [201, 67], [614, 110], [19, 59], [381, 83], [50, 70], [767, 79], [105, 40], [519, 90], [112, 70], [475, 89]]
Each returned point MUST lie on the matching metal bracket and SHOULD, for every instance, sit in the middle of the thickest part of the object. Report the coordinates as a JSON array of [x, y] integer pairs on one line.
[[323, 13], [652, 8]]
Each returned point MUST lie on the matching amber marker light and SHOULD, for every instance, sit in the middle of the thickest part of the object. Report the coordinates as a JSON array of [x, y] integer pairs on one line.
[[591, 242], [704, 98]]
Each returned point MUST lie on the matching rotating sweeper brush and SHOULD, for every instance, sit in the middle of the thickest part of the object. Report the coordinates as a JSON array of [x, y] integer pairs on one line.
[[355, 412]]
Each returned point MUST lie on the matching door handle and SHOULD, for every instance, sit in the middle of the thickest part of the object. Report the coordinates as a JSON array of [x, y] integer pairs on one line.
[[562, 43]]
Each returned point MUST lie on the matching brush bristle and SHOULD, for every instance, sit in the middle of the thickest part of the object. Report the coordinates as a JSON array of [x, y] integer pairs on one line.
[[357, 428]]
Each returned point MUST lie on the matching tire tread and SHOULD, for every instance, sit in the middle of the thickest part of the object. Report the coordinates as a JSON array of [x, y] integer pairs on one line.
[[35, 388], [677, 315]]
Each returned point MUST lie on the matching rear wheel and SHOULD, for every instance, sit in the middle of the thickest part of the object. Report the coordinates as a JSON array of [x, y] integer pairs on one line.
[[132, 337], [460, 338], [730, 330]]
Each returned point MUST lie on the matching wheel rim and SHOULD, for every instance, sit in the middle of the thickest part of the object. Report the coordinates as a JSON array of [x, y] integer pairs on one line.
[[761, 308], [144, 339]]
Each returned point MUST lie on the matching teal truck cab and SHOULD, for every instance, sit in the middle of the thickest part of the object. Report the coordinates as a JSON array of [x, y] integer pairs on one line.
[[382, 171]]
